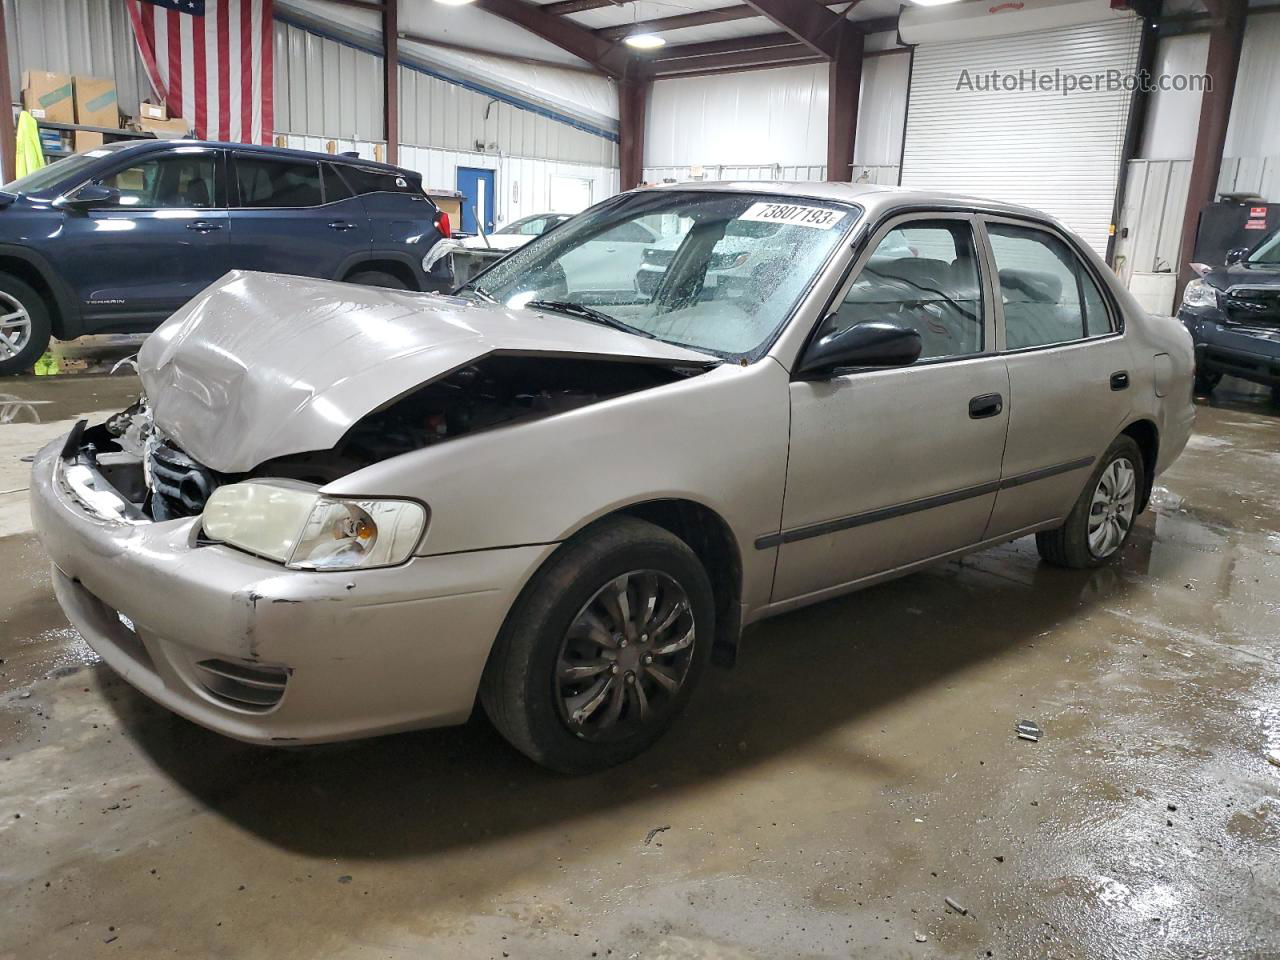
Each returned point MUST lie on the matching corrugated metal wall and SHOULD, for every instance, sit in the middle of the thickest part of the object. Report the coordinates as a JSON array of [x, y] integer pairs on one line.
[[325, 88], [76, 36]]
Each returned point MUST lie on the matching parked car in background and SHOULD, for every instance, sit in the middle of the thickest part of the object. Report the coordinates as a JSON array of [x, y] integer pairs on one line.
[[517, 233], [561, 495], [1233, 314], [115, 239]]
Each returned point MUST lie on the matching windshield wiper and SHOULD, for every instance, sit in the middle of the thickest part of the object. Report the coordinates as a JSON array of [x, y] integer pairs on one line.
[[480, 292], [587, 313]]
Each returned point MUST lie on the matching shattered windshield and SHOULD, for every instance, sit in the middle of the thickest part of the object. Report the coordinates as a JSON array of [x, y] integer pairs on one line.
[[719, 272]]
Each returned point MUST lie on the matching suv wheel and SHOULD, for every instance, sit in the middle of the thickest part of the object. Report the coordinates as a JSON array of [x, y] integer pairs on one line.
[[1099, 524], [24, 325], [603, 648], [377, 278], [1205, 383]]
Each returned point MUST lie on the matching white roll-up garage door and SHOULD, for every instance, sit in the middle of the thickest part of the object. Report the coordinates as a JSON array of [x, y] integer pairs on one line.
[[1056, 150]]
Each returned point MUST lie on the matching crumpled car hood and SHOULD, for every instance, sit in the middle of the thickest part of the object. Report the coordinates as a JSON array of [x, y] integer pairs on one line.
[[261, 366]]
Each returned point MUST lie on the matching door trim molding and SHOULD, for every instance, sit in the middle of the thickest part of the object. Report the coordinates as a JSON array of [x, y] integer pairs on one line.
[[915, 506]]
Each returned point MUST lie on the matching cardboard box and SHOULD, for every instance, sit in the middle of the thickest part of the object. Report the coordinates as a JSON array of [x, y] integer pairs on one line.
[[165, 129], [96, 101], [47, 96], [87, 140], [152, 111]]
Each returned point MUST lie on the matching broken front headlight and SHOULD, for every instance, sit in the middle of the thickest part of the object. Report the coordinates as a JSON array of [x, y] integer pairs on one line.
[[291, 522]]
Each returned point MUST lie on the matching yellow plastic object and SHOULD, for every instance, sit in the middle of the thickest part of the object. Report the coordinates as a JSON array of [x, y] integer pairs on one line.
[[29, 155], [47, 365]]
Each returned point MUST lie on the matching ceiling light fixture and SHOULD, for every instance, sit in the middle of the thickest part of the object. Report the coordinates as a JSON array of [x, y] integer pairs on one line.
[[454, 3], [931, 3], [644, 41]]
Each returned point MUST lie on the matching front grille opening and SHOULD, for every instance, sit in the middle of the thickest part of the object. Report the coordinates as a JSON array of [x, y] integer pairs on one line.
[[242, 686], [179, 485]]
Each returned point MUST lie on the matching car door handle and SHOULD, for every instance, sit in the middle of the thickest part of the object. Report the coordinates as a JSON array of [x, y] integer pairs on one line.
[[341, 225], [203, 226], [985, 405], [1120, 380]]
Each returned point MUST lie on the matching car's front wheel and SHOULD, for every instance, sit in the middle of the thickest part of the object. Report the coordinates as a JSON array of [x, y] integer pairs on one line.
[[24, 325], [1101, 521], [603, 648]]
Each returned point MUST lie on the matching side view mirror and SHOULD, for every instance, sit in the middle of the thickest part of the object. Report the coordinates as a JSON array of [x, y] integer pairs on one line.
[[875, 343], [92, 195], [1236, 255]]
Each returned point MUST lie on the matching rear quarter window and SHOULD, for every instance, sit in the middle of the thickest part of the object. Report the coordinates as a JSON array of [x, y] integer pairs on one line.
[[364, 181]]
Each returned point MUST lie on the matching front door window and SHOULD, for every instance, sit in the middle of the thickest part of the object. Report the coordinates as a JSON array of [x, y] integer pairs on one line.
[[183, 182], [922, 275]]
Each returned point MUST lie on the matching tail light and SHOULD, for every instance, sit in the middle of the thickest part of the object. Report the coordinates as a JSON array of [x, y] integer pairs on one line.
[[442, 224]]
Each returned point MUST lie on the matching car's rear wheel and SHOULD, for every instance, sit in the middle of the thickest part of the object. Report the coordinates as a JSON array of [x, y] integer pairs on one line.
[[378, 278], [24, 325], [1102, 519], [603, 648]]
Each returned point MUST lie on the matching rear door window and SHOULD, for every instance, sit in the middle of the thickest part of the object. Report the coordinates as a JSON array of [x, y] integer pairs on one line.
[[268, 182], [335, 188], [1049, 296]]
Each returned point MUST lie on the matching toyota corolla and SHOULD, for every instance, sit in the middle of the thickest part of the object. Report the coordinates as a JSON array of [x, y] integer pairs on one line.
[[341, 511]]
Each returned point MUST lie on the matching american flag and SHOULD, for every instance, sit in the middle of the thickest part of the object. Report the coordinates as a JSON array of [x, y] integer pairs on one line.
[[211, 62]]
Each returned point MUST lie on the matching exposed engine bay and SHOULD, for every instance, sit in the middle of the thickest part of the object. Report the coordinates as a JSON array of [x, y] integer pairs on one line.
[[164, 483]]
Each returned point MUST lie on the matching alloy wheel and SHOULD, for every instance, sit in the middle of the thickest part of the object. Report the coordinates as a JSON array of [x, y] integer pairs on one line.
[[625, 656], [15, 327], [1112, 509]]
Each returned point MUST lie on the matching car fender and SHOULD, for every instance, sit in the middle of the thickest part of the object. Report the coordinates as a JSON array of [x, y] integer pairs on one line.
[[68, 321], [718, 439]]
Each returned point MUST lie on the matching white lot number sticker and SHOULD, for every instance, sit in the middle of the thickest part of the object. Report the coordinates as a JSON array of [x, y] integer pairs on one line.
[[793, 214]]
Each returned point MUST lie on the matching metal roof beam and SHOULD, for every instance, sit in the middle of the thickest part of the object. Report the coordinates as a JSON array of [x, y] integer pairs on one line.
[[603, 54]]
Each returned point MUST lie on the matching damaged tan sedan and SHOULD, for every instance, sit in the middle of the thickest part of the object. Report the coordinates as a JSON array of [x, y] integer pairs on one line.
[[342, 511]]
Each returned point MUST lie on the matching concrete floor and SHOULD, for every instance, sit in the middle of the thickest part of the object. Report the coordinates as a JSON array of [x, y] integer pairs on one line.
[[822, 800]]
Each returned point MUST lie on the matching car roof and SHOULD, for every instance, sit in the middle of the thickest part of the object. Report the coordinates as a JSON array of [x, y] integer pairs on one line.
[[877, 199], [285, 152]]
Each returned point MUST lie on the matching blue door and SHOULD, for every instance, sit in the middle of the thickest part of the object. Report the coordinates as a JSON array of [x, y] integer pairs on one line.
[[476, 187]]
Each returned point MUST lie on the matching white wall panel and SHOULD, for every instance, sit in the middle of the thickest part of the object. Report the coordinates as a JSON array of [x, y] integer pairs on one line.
[[1173, 116], [756, 118], [882, 110], [1058, 153], [884, 173], [1254, 130], [773, 120]]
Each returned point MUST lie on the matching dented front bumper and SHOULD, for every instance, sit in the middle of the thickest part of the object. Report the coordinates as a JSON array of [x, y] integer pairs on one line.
[[264, 654]]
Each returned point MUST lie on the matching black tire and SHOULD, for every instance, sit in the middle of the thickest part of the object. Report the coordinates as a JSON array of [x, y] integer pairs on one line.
[[378, 278], [1068, 545], [1275, 396], [36, 340], [1206, 382], [520, 690]]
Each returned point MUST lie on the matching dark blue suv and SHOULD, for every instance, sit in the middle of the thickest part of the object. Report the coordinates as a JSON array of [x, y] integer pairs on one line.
[[115, 239]]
